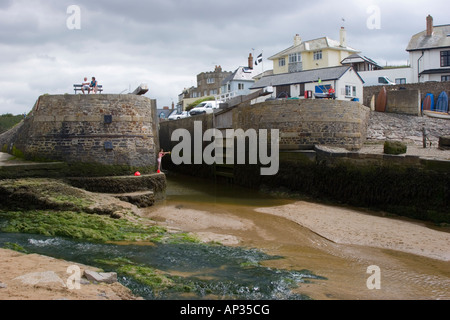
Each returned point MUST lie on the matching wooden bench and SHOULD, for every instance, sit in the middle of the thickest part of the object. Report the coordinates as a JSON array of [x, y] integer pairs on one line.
[[77, 87]]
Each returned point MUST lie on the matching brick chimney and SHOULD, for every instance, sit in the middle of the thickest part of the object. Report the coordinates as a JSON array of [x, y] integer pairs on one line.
[[429, 26], [250, 61]]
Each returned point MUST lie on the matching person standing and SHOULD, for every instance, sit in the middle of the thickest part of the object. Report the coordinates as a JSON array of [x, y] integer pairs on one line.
[[160, 156], [331, 93]]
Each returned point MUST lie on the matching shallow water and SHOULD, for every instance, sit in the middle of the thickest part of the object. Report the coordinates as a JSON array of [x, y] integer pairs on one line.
[[276, 258], [208, 271], [402, 275]]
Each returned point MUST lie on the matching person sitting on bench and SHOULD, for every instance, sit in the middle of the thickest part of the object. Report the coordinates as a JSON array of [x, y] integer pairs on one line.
[[93, 85], [85, 86]]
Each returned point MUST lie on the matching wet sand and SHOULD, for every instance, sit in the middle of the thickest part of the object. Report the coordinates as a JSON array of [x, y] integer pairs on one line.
[[337, 243], [347, 226]]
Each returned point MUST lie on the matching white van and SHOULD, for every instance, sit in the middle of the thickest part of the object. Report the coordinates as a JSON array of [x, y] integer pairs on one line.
[[378, 81], [205, 107]]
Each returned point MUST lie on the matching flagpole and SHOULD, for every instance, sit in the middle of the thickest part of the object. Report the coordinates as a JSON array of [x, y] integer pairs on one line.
[[262, 62]]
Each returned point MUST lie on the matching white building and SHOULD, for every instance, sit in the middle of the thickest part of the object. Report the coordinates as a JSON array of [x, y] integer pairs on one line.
[[395, 75], [346, 82], [429, 53], [239, 82]]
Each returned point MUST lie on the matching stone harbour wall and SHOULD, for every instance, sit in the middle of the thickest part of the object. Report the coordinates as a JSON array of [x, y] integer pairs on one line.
[[304, 123], [405, 98], [106, 129]]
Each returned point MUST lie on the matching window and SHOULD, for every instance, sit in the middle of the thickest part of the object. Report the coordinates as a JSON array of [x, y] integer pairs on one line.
[[295, 57], [229, 87], [281, 62], [350, 91], [445, 58], [240, 86], [382, 80], [318, 55], [210, 80], [445, 78]]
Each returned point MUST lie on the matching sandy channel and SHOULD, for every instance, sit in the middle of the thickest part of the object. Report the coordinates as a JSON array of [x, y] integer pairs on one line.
[[346, 226], [338, 243]]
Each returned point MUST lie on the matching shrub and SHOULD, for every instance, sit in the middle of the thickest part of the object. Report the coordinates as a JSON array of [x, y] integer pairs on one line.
[[394, 147]]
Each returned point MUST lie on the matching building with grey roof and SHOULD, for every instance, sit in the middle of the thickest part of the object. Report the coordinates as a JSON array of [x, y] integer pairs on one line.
[[346, 82], [429, 53]]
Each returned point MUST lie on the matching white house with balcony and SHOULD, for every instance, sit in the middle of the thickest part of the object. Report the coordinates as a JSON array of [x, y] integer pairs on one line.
[[429, 53]]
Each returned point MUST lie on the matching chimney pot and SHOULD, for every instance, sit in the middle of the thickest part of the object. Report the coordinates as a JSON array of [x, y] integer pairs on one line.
[[297, 40], [343, 35], [250, 61]]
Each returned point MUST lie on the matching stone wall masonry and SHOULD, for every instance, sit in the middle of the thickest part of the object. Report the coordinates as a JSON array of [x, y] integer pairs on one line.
[[423, 88], [305, 123], [104, 129], [301, 123]]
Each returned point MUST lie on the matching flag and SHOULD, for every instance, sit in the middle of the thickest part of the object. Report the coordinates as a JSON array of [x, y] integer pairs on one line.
[[258, 59]]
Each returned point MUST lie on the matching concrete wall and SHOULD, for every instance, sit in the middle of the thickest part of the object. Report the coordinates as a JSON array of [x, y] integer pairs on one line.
[[103, 129], [404, 101]]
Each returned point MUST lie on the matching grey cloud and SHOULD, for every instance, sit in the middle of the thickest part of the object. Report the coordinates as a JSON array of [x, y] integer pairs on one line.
[[168, 42]]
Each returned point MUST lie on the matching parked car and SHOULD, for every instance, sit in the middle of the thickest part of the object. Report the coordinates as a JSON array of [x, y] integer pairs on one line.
[[205, 107], [377, 81], [176, 115]]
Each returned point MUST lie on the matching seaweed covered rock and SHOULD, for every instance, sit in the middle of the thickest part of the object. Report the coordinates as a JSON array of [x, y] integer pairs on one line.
[[51, 194], [394, 147]]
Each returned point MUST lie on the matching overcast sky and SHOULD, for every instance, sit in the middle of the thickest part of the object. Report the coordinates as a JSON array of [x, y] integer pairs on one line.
[[46, 46]]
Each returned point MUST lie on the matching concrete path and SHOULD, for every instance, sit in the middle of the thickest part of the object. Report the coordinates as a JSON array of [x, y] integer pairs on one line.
[[5, 157]]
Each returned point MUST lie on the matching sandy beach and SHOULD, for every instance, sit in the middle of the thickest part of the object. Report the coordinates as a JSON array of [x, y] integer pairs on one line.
[[346, 226], [354, 232], [38, 277]]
